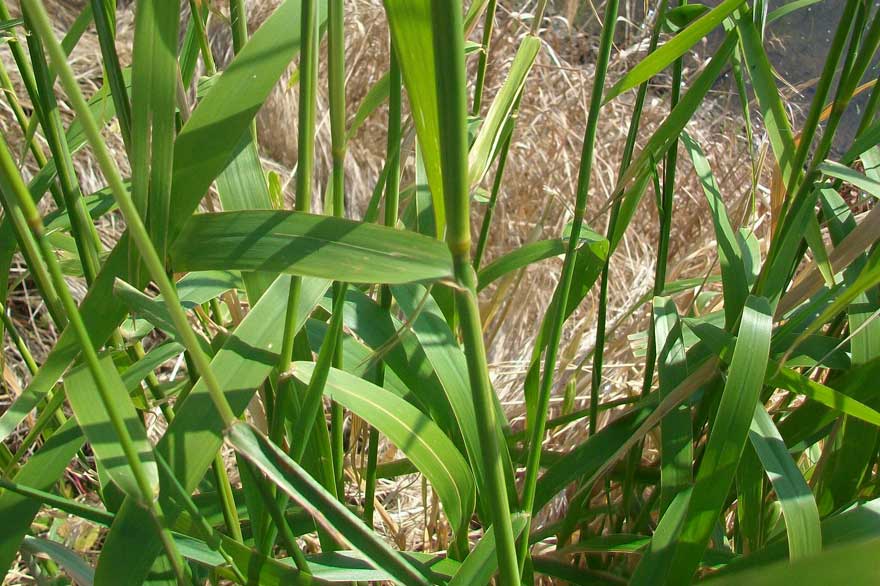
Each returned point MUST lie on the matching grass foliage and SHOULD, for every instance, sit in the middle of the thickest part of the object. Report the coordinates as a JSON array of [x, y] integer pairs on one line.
[[306, 341]]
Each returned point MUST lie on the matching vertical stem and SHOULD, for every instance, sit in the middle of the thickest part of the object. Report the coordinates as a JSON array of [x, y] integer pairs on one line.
[[392, 202], [19, 196], [336, 82], [202, 38], [105, 24], [451, 88], [483, 238], [628, 149], [563, 289], [488, 26], [136, 228], [81, 226]]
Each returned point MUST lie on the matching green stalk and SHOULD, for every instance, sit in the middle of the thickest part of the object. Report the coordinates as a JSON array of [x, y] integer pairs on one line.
[[823, 87], [451, 88], [202, 38], [15, 188], [33, 258], [561, 294], [83, 230], [105, 24], [24, 123], [336, 83], [626, 159], [19, 343], [136, 228], [857, 61], [488, 26], [483, 238], [666, 196], [305, 162], [392, 203]]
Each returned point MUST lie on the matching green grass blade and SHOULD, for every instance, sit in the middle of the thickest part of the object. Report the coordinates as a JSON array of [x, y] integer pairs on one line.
[[410, 430], [519, 258], [308, 245], [676, 454], [327, 510], [491, 133], [72, 564], [153, 104], [852, 564], [413, 42], [672, 49], [95, 424], [727, 438], [796, 499], [733, 273]]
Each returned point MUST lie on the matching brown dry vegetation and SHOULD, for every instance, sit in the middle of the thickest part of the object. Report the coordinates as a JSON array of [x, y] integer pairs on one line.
[[535, 203]]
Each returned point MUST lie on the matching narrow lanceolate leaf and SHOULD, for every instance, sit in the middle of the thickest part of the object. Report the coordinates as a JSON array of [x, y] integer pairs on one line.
[[838, 171], [202, 150], [41, 471], [413, 40], [481, 563], [326, 509], [69, 561], [676, 453], [309, 245], [726, 439], [449, 363], [797, 502], [733, 273], [491, 132], [153, 90], [673, 49], [519, 258], [195, 434], [412, 432], [95, 423]]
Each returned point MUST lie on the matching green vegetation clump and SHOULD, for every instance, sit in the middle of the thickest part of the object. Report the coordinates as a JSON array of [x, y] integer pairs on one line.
[[236, 385]]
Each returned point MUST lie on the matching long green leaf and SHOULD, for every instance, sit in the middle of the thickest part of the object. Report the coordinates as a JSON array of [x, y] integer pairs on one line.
[[727, 438], [329, 512], [798, 505], [308, 245], [95, 423], [410, 430], [672, 49], [491, 133]]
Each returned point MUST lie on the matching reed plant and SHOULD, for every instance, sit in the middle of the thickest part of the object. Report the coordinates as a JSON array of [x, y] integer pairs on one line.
[[309, 338]]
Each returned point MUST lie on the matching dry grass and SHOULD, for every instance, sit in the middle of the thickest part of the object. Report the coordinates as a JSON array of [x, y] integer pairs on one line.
[[535, 203]]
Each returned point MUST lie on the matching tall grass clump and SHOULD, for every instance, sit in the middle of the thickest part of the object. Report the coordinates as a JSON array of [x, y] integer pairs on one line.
[[241, 377]]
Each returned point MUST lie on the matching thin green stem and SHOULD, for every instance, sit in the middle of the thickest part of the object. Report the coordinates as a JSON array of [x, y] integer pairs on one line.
[[336, 83], [451, 89], [563, 288], [81, 227], [483, 238], [202, 38], [392, 202], [105, 24], [136, 228], [488, 26], [626, 159], [13, 185]]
